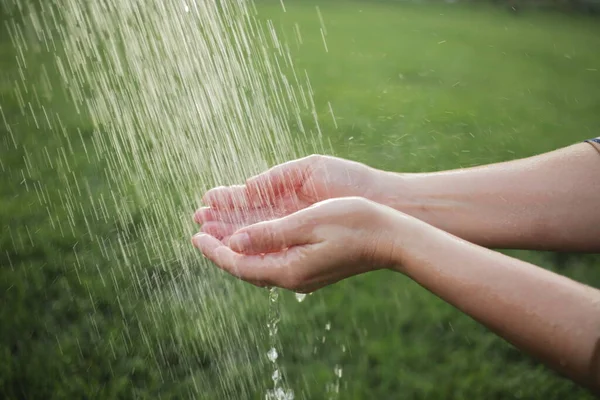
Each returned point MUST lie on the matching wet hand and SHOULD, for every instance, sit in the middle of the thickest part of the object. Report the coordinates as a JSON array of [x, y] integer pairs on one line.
[[283, 190], [311, 248]]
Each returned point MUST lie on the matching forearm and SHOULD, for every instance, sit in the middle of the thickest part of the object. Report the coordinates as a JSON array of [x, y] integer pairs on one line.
[[547, 315], [547, 202]]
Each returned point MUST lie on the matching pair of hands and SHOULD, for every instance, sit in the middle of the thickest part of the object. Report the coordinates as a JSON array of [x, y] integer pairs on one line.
[[301, 225], [314, 221]]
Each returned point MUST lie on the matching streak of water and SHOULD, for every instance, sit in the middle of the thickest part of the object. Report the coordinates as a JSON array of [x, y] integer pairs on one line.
[[180, 96]]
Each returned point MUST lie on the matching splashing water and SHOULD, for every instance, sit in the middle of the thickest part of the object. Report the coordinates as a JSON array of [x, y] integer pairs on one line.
[[181, 96], [278, 392], [334, 388]]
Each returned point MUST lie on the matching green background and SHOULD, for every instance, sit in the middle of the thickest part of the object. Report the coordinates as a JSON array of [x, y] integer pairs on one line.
[[414, 87]]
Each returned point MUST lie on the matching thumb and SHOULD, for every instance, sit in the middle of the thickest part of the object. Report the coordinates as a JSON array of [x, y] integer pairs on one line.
[[271, 236]]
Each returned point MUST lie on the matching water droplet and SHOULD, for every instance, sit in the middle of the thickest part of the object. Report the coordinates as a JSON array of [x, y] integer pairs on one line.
[[170, 118], [272, 354], [276, 376], [279, 394], [300, 297], [338, 371]]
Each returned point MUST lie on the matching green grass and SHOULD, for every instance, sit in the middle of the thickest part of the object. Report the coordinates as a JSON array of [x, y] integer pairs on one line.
[[413, 88]]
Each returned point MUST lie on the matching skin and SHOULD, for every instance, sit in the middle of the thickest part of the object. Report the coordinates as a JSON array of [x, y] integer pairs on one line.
[[312, 222], [545, 202]]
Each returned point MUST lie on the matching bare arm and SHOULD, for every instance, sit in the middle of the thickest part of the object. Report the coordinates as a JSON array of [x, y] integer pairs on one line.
[[551, 317], [551, 202], [546, 202]]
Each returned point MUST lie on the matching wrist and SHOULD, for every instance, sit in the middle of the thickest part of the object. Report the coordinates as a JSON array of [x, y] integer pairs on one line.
[[399, 234], [414, 243], [397, 190]]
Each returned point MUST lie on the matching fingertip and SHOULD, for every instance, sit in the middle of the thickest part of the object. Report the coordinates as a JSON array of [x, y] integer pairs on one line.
[[206, 244], [227, 197], [198, 215], [203, 215], [211, 197], [198, 239]]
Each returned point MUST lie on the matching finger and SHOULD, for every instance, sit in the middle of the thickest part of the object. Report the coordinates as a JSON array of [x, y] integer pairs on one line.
[[280, 180], [219, 230], [233, 216], [226, 197], [268, 271], [209, 214], [272, 236], [286, 205], [239, 217]]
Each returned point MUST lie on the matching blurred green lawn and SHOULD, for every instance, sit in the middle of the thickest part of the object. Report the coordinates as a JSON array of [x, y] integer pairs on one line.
[[413, 88]]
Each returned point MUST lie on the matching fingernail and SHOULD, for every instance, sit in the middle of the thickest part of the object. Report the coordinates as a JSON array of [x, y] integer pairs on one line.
[[239, 241]]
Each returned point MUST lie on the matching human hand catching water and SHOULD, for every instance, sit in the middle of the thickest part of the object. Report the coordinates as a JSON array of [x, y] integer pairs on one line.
[[285, 189], [317, 246], [285, 235]]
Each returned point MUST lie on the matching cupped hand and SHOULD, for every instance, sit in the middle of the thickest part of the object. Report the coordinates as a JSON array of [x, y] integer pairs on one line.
[[283, 190], [306, 250]]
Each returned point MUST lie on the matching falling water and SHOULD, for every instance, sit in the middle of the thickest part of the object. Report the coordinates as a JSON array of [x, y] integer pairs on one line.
[[182, 96]]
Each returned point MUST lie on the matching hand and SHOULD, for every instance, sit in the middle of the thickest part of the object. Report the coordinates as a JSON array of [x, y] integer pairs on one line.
[[312, 248], [283, 190]]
